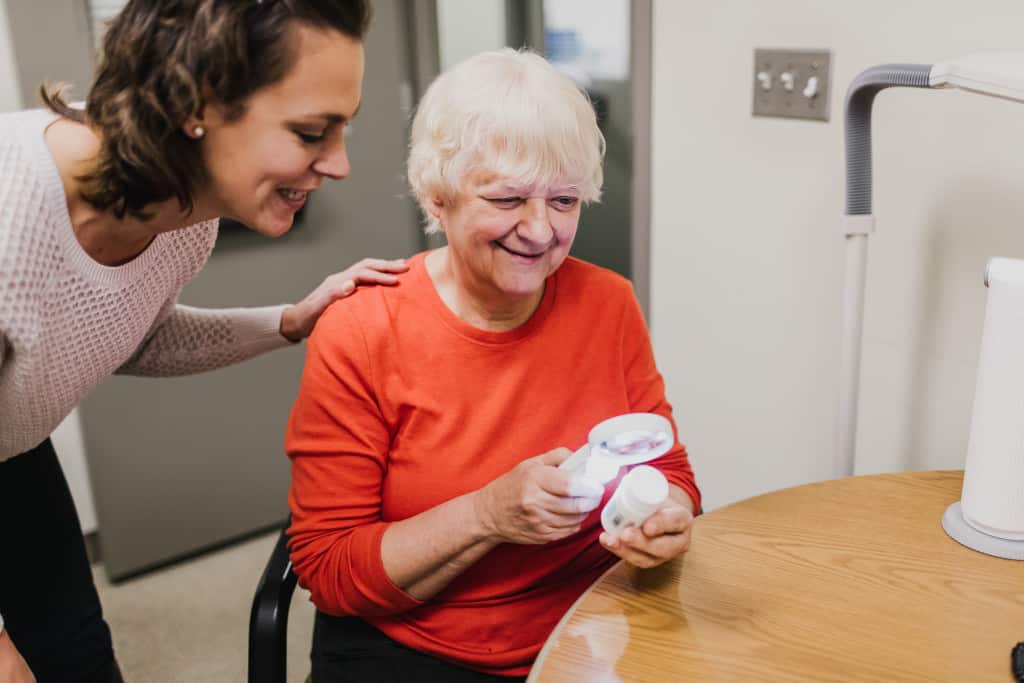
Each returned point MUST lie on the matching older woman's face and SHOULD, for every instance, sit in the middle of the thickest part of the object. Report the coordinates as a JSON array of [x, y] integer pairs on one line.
[[504, 238]]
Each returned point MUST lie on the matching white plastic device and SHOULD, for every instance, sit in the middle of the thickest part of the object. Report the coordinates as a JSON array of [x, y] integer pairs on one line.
[[627, 439]]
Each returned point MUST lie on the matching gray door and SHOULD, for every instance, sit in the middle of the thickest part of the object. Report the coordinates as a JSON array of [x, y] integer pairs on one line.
[[183, 465]]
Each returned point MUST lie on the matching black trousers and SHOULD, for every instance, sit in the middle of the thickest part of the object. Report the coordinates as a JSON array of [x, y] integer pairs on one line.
[[47, 596], [348, 650]]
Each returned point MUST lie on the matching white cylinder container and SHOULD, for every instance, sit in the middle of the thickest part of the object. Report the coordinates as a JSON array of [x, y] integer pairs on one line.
[[640, 494], [993, 493]]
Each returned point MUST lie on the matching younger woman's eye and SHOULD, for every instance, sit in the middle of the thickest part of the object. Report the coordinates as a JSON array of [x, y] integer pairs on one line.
[[309, 138]]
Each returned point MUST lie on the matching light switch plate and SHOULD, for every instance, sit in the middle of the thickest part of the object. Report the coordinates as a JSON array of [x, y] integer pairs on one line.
[[792, 83]]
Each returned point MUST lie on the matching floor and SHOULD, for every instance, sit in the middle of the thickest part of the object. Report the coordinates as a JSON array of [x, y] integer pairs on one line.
[[190, 621]]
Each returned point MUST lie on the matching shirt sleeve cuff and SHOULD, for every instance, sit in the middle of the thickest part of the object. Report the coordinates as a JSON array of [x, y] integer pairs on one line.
[[383, 590], [671, 466], [259, 329]]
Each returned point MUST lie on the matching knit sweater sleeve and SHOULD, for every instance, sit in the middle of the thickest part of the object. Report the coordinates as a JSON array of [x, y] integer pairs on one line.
[[339, 440], [184, 340], [646, 389]]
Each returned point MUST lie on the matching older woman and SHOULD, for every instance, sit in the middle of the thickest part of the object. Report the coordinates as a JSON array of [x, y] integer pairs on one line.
[[432, 525]]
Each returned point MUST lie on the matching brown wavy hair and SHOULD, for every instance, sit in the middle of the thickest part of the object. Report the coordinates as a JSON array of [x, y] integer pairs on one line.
[[160, 59]]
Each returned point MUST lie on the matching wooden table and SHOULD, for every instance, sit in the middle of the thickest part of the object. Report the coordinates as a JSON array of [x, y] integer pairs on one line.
[[845, 580]]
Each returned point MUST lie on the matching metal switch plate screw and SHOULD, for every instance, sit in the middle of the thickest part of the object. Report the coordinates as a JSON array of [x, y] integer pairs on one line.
[[792, 83]]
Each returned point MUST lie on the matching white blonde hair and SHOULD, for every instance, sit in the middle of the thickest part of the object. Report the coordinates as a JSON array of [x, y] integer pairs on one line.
[[508, 113]]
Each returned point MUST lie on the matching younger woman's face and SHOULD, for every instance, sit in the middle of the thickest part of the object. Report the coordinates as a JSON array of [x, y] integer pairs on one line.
[[262, 166]]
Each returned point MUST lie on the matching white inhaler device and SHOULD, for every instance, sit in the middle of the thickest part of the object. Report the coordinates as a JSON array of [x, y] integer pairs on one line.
[[627, 439]]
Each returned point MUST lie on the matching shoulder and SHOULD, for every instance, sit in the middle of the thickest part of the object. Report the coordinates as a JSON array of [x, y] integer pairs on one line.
[[23, 154], [25, 122], [591, 283], [593, 298], [30, 191], [376, 310], [21, 135]]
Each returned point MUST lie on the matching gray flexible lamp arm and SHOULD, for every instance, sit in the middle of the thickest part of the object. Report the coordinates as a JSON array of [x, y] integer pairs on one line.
[[859, 100], [857, 225]]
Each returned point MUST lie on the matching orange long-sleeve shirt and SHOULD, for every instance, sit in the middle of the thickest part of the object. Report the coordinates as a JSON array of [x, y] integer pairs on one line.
[[404, 406]]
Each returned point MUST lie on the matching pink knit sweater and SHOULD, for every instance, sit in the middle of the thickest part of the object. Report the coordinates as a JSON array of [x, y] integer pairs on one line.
[[67, 322]]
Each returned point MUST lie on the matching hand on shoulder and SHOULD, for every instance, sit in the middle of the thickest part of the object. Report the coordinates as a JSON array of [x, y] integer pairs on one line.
[[297, 321]]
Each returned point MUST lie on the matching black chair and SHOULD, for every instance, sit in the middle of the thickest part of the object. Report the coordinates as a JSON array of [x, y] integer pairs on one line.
[[268, 620]]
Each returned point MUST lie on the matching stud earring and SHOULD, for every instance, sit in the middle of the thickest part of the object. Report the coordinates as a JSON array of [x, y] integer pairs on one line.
[[198, 131]]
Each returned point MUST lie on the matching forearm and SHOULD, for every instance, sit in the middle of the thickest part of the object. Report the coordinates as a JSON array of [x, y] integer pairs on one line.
[[423, 554], [192, 340]]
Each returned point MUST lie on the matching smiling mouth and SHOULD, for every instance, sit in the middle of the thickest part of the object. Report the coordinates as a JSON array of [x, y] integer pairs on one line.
[[293, 195], [519, 253]]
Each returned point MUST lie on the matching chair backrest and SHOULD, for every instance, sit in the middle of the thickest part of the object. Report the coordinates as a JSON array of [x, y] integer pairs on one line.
[[268, 619]]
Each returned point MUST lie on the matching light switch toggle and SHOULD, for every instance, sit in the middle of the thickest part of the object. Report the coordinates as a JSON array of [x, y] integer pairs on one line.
[[765, 79], [811, 89], [787, 78]]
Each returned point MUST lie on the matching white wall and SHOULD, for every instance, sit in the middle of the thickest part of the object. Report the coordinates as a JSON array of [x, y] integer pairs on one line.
[[747, 254], [10, 94]]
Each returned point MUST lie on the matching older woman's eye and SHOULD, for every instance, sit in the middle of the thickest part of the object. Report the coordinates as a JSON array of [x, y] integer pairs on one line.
[[505, 202], [566, 202]]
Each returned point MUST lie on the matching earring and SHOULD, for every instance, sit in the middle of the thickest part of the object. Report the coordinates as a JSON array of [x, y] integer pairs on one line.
[[198, 131]]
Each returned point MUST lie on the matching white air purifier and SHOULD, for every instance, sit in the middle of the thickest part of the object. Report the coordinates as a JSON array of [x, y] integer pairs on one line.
[[990, 515]]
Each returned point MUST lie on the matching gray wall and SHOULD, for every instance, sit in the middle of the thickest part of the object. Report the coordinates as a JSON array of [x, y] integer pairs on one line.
[[52, 41], [10, 92]]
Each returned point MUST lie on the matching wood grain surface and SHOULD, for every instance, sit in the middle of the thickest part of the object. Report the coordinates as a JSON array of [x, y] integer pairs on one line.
[[845, 580]]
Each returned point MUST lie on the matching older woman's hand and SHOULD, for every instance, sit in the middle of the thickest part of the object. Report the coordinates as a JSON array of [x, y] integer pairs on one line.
[[662, 537], [536, 502], [297, 321]]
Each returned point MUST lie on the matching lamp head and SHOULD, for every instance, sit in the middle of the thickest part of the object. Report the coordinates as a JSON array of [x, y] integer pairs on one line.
[[999, 74]]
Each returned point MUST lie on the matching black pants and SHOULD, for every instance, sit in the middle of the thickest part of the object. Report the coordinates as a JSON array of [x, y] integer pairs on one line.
[[47, 596], [348, 650]]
